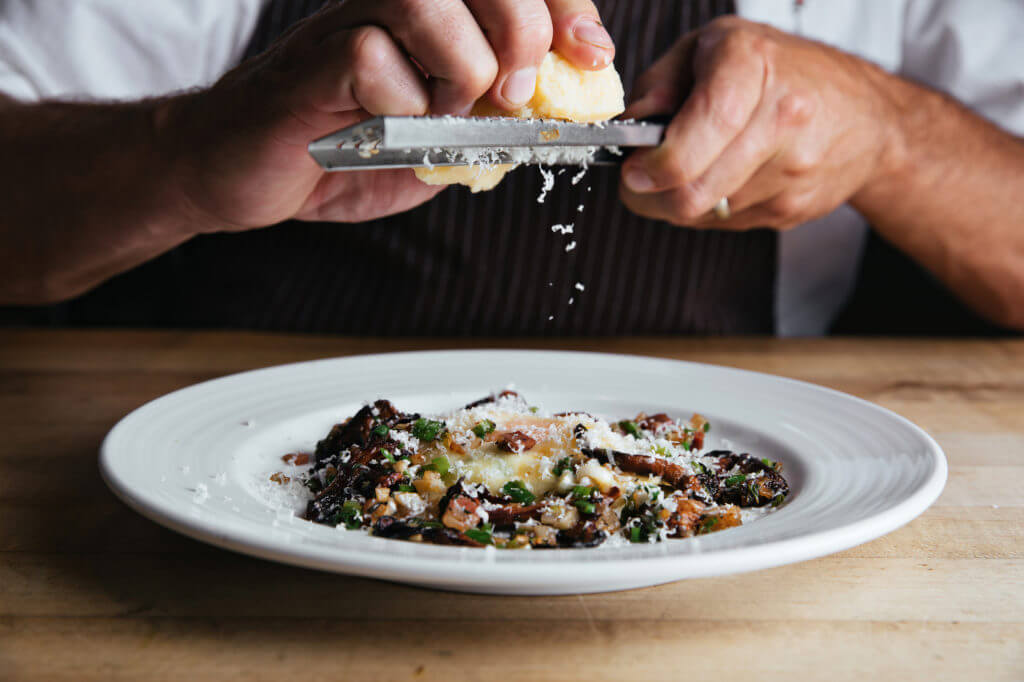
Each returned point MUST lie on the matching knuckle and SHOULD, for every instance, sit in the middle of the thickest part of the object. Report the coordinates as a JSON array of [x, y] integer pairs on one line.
[[724, 107], [686, 205], [785, 207], [795, 109], [410, 8], [669, 169], [369, 48], [803, 159], [528, 36], [724, 24], [477, 76]]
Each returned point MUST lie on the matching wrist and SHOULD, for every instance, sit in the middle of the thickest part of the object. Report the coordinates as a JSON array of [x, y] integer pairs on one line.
[[174, 143], [894, 111]]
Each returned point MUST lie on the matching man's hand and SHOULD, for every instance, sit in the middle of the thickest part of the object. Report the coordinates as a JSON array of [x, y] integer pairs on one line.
[[240, 148], [786, 128], [789, 129]]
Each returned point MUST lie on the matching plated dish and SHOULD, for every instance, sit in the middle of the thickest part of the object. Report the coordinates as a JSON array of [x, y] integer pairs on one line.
[[198, 461], [499, 472]]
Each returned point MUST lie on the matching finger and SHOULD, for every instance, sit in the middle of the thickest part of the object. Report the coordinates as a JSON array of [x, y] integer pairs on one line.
[[662, 88], [669, 206], [741, 173], [729, 85], [782, 211], [377, 77], [441, 35], [357, 197], [519, 32], [579, 35]]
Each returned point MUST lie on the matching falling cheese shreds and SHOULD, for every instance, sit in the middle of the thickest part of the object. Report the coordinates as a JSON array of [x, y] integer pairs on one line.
[[549, 183], [570, 246], [563, 229], [579, 286], [579, 209]]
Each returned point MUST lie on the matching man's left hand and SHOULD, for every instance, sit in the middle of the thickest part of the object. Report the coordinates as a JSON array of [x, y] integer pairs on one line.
[[787, 129]]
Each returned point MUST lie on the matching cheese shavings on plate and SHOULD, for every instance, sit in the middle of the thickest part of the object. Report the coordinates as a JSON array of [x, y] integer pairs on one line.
[[499, 472]]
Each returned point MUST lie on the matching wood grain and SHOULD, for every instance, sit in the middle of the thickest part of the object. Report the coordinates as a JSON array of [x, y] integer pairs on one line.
[[90, 590]]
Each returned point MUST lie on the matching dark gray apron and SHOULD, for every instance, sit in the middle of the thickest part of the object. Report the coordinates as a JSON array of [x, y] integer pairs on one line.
[[467, 264]]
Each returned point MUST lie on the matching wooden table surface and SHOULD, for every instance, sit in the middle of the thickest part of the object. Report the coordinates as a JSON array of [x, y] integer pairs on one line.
[[91, 590]]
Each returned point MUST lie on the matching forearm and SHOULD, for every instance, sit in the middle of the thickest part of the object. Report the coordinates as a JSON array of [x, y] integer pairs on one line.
[[87, 196], [950, 197]]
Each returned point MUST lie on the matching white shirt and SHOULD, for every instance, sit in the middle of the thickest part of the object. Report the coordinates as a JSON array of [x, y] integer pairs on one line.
[[127, 49]]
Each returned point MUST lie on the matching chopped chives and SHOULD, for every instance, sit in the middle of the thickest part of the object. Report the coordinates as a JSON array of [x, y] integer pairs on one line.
[[427, 429], [582, 492], [518, 492], [585, 506], [481, 534], [630, 427], [439, 464], [483, 428]]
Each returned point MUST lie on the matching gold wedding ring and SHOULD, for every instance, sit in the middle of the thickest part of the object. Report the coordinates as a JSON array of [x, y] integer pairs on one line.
[[721, 209]]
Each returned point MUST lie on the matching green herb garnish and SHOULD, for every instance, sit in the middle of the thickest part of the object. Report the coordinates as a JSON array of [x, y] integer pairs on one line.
[[582, 492], [585, 506], [438, 464], [406, 488], [563, 465], [707, 426], [518, 492], [708, 524], [736, 480], [380, 430], [534, 410], [481, 534], [387, 455], [427, 429], [483, 428], [351, 514], [699, 468], [754, 490], [634, 534], [778, 499], [767, 462], [630, 427]]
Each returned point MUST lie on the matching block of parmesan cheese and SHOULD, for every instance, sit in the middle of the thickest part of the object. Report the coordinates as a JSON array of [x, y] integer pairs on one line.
[[563, 92]]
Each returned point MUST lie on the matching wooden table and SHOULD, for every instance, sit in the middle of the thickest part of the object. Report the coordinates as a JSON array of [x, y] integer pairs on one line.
[[91, 590]]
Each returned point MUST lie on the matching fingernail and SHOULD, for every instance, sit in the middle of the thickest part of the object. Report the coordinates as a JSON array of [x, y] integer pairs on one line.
[[519, 86], [638, 181], [589, 31]]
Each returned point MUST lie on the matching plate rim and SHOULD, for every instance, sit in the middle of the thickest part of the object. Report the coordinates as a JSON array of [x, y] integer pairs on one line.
[[494, 576]]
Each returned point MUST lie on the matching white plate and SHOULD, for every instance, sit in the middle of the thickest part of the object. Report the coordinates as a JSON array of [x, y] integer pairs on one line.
[[196, 461]]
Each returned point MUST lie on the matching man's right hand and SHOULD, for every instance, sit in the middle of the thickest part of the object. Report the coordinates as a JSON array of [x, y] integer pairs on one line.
[[238, 150]]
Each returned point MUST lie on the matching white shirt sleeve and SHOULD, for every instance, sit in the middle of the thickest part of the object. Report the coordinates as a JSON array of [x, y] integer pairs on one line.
[[119, 49], [969, 49], [972, 50]]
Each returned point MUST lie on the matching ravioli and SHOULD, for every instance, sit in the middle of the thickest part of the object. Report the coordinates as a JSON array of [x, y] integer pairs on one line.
[[500, 472]]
